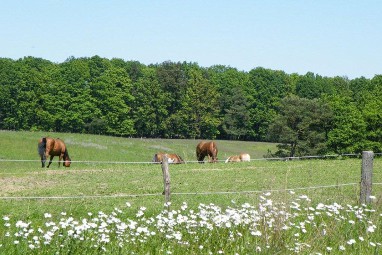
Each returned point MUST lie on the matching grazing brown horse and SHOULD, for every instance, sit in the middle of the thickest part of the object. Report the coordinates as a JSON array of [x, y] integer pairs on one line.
[[48, 146], [172, 158], [209, 149], [243, 157]]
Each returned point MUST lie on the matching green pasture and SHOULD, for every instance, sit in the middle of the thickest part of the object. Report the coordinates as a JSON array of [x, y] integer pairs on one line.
[[109, 171]]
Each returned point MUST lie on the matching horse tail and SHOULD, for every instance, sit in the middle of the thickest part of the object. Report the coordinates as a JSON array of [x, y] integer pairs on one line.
[[42, 146]]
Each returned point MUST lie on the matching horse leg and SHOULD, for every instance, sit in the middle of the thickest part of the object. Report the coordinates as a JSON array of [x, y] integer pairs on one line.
[[59, 160], [43, 160], [50, 161]]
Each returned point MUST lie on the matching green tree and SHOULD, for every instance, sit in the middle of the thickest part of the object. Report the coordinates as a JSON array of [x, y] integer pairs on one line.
[[301, 126], [371, 112], [236, 119], [198, 116], [266, 89], [150, 105], [348, 132], [112, 93], [73, 83], [234, 102]]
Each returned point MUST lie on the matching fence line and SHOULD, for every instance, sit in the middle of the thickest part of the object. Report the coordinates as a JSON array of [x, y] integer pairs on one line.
[[183, 193], [195, 161], [179, 193]]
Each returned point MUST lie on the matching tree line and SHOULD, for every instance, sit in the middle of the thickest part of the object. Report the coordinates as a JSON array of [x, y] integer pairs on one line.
[[306, 114]]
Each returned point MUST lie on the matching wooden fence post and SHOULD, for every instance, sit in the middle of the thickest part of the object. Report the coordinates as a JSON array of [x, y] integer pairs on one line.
[[166, 178], [366, 176]]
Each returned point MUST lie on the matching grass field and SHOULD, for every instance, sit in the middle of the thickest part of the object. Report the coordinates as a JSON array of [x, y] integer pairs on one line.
[[107, 172]]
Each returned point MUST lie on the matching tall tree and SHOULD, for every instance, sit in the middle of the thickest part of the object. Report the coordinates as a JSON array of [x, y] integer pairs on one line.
[[198, 116], [150, 105], [348, 132], [266, 88], [233, 101], [112, 91], [236, 119], [301, 126]]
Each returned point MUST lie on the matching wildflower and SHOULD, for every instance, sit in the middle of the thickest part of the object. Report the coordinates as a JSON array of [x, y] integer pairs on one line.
[[372, 244], [128, 204], [256, 233], [329, 248], [361, 238], [21, 224], [201, 247], [351, 241], [342, 248], [47, 215], [6, 218], [372, 197], [178, 236], [31, 246], [16, 242], [371, 228], [352, 222]]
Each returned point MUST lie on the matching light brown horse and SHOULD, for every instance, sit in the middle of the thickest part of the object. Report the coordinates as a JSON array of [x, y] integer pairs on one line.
[[209, 149], [172, 158], [50, 147], [243, 157]]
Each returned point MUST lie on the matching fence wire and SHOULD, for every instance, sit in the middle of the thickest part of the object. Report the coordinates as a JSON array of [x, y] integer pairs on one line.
[[195, 161], [175, 193], [184, 193]]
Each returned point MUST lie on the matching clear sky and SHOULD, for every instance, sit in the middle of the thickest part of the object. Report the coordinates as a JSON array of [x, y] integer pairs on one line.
[[326, 37]]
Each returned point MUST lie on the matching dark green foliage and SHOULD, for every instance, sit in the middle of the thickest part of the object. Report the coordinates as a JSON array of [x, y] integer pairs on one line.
[[266, 88], [348, 132], [183, 100], [301, 126]]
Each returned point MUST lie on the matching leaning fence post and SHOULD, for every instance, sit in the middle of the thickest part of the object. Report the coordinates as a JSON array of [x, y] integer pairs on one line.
[[166, 178], [366, 174]]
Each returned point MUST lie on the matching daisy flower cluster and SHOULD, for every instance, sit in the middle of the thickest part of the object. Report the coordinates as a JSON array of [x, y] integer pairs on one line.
[[270, 227]]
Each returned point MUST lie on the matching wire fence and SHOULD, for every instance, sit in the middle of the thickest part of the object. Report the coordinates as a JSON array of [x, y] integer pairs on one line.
[[185, 193], [177, 193], [195, 161]]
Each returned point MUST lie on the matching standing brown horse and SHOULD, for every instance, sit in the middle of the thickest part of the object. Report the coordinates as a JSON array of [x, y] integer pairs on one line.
[[209, 149], [172, 158], [48, 146]]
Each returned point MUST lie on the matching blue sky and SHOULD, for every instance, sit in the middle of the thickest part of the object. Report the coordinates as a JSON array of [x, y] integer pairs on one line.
[[329, 38]]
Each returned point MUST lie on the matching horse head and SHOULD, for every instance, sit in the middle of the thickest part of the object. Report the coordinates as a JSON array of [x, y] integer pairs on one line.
[[67, 160]]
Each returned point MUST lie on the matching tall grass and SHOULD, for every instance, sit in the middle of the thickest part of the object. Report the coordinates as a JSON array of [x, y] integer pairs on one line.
[[215, 208]]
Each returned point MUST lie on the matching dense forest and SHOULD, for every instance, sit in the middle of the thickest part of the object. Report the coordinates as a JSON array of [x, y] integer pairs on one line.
[[306, 114]]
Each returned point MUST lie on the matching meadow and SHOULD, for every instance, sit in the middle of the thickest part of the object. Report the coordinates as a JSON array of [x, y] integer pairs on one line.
[[110, 200]]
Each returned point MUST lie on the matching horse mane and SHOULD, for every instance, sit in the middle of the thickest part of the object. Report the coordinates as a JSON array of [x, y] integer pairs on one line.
[[66, 154]]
